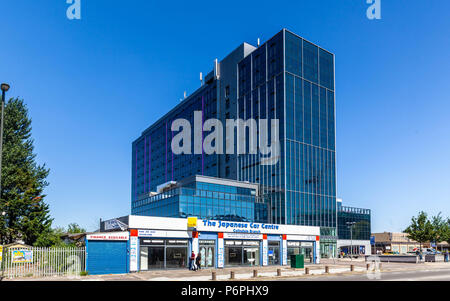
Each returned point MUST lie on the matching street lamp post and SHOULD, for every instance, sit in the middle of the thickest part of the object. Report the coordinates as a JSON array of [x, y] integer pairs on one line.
[[351, 224]]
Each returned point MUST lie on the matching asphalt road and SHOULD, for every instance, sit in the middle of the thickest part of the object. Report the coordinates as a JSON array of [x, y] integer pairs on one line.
[[421, 275]]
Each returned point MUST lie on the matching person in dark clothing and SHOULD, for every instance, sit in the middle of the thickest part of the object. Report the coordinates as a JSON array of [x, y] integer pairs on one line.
[[191, 261], [198, 261]]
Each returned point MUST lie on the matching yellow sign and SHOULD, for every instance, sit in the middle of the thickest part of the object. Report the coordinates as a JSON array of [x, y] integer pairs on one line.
[[1, 253], [192, 222]]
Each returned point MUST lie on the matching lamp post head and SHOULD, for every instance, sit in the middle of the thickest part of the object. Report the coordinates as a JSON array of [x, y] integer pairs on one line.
[[5, 87]]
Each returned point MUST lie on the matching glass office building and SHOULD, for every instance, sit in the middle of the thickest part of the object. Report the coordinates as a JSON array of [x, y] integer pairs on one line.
[[354, 230], [206, 198], [359, 218], [287, 78]]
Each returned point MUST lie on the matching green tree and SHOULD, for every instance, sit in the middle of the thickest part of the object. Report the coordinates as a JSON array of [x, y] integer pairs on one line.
[[74, 228], [420, 229], [439, 230], [50, 238], [25, 215]]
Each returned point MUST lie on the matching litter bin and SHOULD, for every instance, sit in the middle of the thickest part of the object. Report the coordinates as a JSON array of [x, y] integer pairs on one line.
[[297, 261]]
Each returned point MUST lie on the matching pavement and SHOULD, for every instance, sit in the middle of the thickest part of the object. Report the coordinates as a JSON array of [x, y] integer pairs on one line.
[[338, 269]]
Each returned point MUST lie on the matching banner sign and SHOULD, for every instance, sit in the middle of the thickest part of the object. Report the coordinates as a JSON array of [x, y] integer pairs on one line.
[[220, 253], [114, 224], [134, 241], [22, 256], [1, 254], [109, 236]]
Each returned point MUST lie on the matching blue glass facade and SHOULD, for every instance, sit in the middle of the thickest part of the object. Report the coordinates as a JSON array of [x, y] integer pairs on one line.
[[211, 201], [359, 219], [287, 78], [292, 80]]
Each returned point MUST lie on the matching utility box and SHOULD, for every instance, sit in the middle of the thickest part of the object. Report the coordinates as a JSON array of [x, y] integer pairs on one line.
[[297, 261]]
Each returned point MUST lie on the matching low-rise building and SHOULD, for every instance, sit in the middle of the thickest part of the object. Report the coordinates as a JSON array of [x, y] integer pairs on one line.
[[353, 230], [397, 243]]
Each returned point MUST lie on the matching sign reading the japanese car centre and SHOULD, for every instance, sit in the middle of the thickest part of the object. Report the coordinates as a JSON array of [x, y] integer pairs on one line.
[[254, 228], [109, 236]]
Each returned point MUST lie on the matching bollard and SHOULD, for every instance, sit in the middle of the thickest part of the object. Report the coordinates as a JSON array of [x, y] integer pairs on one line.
[[231, 275], [327, 269], [367, 266], [306, 271], [255, 273], [213, 276], [352, 268], [278, 272]]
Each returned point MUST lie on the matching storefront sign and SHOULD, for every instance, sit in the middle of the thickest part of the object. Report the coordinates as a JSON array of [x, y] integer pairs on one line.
[[242, 236], [264, 253], [284, 251], [134, 241], [159, 233], [109, 236], [220, 252], [301, 237], [22, 256], [192, 222], [240, 227], [255, 228]]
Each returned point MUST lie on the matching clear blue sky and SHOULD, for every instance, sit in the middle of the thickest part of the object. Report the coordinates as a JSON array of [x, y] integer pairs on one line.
[[93, 85]]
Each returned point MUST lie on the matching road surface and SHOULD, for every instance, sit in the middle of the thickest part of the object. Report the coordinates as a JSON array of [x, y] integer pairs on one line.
[[418, 275]]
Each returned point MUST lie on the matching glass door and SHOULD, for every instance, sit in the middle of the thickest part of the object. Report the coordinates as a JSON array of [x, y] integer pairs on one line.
[[207, 256], [251, 256], [307, 254], [176, 257], [155, 257], [233, 255], [274, 253]]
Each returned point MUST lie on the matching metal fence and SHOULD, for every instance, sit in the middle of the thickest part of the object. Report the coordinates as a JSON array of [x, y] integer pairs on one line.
[[43, 262]]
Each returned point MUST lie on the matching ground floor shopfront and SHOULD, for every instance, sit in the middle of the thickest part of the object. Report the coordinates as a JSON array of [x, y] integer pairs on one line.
[[166, 243], [354, 247]]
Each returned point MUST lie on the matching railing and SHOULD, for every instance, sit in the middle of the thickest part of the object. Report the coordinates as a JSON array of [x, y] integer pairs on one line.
[[43, 262]]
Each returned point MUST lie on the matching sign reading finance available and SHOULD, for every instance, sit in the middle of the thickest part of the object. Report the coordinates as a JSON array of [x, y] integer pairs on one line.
[[109, 236]]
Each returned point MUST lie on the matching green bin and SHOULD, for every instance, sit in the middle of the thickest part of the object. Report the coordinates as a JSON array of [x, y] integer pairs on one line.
[[297, 261]]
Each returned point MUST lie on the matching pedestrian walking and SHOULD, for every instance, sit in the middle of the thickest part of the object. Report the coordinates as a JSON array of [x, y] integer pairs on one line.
[[198, 261], [191, 261]]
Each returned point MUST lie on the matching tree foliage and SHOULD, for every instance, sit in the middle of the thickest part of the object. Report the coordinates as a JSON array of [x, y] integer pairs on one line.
[[74, 228], [420, 229], [439, 230], [26, 215]]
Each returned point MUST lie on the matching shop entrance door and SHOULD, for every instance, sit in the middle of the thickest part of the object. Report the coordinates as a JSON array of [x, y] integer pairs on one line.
[[251, 256], [307, 254], [155, 257], [244, 253], [274, 253], [207, 252]]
